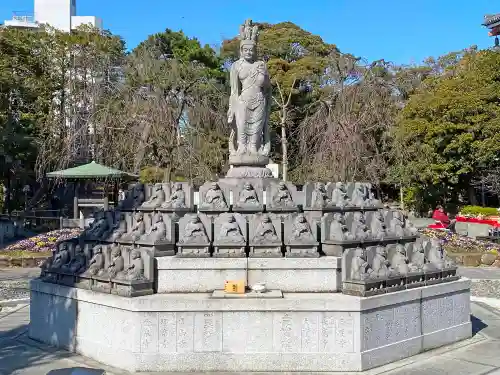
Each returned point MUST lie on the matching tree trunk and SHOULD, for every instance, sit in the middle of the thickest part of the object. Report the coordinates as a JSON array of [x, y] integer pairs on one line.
[[472, 195], [401, 197], [167, 174], [284, 145], [142, 147], [8, 192]]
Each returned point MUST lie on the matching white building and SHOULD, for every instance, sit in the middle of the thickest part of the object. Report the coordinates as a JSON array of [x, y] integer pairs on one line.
[[60, 14]]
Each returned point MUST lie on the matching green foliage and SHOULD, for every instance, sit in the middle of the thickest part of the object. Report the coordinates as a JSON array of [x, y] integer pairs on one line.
[[38, 96], [478, 210], [423, 200], [150, 175], [449, 130], [176, 45]]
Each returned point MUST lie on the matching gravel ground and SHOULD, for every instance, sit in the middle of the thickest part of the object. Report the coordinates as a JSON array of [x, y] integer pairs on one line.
[[14, 283], [14, 289], [485, 288], [18, 274]]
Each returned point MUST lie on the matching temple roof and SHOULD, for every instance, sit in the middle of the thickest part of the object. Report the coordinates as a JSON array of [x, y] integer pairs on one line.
[[90, 170], [491, 19]]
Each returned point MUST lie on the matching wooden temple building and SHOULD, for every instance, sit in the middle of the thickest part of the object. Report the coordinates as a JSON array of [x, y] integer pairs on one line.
[[492, 22]]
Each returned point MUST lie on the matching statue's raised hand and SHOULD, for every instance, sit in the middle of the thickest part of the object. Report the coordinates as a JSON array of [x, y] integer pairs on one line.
[[230, 116]]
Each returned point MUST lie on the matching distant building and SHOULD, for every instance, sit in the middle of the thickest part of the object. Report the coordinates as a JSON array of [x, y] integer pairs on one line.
[[492, 22], [60, 14]]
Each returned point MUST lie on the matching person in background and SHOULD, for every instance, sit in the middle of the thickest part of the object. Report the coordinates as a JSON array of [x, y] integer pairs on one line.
[[442, 217], [121, 195]]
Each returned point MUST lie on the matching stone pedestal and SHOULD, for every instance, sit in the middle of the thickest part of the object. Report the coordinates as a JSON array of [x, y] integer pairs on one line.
[[132, 288], [158, 249], [257, 182], [247, 172], [177, 275], [229, 251], [310, 332], [265, 251]]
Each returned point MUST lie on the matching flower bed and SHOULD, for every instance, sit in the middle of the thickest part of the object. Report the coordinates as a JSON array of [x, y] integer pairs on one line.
[[43, 243], [456, 243]]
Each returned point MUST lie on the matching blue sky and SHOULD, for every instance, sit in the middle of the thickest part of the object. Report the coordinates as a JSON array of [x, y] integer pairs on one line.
[[396, 30]]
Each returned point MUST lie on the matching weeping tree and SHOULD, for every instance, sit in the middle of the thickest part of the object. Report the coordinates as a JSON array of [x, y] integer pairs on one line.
[[84, 68], [344, 136], [175, 77]]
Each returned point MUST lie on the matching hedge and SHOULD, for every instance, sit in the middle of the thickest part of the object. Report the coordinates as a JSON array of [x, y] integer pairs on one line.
[[478, 210]]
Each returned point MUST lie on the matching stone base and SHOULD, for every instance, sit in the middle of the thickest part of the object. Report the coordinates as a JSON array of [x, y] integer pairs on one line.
[[310, 332], [371, 287], [415, 280], [248, 160], [193, 251], [204, 275], [249, 172], [101, 284], [159, 249], [363, 288], [337, 248], [133, 288], [229, 251], [302, 251], [265, 251]]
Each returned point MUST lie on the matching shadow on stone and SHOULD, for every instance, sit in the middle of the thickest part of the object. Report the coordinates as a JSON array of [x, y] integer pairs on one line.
[[477, 325], [17, 355], [76, 371]]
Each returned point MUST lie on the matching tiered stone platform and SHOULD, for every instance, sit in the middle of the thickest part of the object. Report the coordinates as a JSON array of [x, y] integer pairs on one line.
[[351, 284]]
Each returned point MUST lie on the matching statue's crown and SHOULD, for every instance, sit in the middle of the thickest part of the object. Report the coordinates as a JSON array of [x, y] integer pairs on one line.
[[249, 33]]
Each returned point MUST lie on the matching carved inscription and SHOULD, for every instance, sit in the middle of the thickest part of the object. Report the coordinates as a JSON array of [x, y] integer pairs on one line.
[[208, 332], [344, 334], [149, 333], [185, 332], [167, 332], [310, 333], [286, 333], [327, 338], [336, 333], [124, 330]]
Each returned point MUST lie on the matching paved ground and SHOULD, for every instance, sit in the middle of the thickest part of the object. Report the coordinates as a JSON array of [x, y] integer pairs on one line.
[[479, 355]]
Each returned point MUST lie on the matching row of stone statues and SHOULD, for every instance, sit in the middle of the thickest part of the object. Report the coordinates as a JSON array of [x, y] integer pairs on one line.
[[230, 235], [375, 269], [337, 229], [100, 266], [279, 196], [139, 227], [361, 226]]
